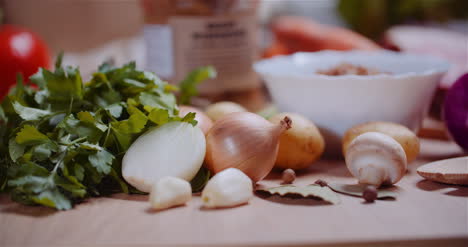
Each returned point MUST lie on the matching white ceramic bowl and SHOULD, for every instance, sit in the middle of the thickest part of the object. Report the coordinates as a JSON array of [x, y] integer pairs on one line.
[[336, 103]]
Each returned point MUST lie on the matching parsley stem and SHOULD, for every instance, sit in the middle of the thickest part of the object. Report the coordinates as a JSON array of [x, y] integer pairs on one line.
[[77, 140], [71, 105], [73, 142], [111, 117], [107, 134], [59, 163], [49, 117]]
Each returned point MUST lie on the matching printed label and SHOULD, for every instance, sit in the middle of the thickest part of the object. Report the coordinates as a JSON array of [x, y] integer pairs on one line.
[[227, 43]]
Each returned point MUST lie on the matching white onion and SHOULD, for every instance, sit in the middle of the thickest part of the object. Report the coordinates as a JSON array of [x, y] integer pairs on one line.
[[175, 149]]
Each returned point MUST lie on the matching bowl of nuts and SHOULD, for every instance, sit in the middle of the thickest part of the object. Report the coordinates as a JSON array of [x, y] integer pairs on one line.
[[339, 89]]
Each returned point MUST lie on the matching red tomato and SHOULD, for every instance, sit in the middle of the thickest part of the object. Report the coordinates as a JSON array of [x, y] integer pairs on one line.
[[21, 51]]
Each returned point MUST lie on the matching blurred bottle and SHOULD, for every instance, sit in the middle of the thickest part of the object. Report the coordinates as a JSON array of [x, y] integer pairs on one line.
[[182, 35]]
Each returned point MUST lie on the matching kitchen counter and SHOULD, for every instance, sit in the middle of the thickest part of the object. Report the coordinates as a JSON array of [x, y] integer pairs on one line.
[[424, 214]]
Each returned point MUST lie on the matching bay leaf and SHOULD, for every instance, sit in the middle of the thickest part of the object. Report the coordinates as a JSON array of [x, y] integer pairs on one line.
[[312, 190]]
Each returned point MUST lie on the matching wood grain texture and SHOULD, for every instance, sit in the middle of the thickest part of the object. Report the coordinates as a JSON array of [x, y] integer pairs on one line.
[[424, 214], [450, 171]]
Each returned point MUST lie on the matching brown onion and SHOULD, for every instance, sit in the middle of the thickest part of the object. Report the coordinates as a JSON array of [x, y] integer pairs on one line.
[[204, 122], [244, 141]]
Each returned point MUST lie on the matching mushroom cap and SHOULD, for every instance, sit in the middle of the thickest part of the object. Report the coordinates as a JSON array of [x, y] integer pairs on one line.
[[379, 152]]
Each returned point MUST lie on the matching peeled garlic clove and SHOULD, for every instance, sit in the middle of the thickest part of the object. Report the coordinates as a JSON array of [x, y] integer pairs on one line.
[[169, 192], [376, 159], [175, 149], [230, 187]]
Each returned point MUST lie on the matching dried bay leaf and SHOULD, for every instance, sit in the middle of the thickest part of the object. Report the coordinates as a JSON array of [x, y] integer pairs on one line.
[[312, 190], [358, 189]]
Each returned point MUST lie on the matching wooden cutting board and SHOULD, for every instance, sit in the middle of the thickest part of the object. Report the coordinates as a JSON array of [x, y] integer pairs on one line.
[[424, 214]]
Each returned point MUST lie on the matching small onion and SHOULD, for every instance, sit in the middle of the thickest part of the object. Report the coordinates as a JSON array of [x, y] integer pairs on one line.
[[244, 141], [204, 122], [218, 110]]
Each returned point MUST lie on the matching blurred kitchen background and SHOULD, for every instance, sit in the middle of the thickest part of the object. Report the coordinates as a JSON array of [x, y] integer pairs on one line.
[[93, 31]]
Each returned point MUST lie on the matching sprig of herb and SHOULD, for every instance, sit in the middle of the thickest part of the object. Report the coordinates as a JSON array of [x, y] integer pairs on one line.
[[65, 141], [188, 86]]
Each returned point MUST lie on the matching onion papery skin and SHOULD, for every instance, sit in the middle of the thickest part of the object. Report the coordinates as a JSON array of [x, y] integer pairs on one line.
[[244, 141]]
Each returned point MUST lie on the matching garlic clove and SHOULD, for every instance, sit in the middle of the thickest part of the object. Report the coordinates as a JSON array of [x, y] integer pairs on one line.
[[169, 192], [175, 149], [228, 188], [375, 159]]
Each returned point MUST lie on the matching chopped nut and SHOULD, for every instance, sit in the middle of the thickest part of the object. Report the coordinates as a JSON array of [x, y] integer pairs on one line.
[[349, 69]]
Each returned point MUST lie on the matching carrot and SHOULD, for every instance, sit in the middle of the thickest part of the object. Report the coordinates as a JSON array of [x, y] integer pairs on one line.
[[301, 34], [275, 49]]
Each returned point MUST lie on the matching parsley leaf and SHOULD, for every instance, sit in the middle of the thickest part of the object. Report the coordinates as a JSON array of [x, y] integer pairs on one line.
[[28, 113], [63, 85], [159, 116], [188, 87], [15, 150], [30, 135], [102, 161], [134, 124]]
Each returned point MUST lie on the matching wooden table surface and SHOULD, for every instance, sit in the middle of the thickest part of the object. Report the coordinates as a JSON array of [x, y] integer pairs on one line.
[[424, 214]]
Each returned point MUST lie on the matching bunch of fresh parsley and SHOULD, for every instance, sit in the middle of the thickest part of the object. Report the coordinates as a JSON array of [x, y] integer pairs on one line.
[[64, 142]]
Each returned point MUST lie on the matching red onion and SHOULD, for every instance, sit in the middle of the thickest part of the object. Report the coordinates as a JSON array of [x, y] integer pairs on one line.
[[456, 111]]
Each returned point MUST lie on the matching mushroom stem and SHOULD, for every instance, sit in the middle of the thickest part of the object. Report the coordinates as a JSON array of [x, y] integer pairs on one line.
[[372, 174]]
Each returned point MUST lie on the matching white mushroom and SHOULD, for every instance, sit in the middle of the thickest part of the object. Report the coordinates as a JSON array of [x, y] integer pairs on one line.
[[376, 159]]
